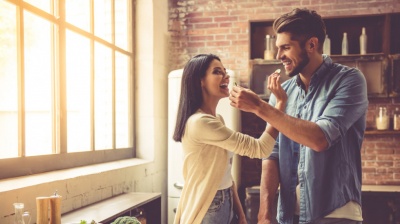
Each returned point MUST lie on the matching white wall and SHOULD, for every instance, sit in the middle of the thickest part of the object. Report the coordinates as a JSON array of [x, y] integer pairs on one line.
[[148, 173]]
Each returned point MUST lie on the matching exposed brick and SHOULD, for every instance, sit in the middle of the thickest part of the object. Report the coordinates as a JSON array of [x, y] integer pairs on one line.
[[217, 31], [226, 19], [379, 176], [386, 145], [200, 20], [201, 38], [381, 170], [196, 32], [384, 157], [213, 14], [368, 181], [368, 169], [206, 25], [218, 43], [388, 182], [366, 157], [395, 170], [196, 44], [378, 164], [225, 25], [379, 151]]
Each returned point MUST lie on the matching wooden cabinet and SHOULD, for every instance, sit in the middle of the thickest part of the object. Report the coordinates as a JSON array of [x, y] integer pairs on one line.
[[381, 64], [135, 204]]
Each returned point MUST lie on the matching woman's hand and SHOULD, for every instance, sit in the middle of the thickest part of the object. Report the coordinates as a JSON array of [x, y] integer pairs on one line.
[[275, 86]]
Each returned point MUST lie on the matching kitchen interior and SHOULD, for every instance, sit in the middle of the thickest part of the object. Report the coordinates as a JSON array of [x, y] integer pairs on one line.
[[166, 34]]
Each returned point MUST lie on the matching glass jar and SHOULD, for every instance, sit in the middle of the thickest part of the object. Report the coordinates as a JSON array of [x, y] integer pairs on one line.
[[396, 119], [382, 119], [21, 217]]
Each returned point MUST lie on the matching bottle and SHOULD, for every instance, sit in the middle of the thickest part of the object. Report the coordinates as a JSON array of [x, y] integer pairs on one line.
[[21, 217], [382, 119], [363, 42], [273, 48], [396, 119], [268, 53], [345, 46], [327, 46]]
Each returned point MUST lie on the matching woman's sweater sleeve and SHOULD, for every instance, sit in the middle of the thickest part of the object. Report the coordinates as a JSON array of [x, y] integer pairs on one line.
[[207, 129]]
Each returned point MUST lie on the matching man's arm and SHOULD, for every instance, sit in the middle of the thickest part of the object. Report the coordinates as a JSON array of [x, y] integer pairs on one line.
[[268, 188], [304, 132], [237, 206]]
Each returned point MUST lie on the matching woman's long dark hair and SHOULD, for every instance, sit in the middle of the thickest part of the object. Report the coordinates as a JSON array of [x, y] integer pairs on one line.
[[191, 96]]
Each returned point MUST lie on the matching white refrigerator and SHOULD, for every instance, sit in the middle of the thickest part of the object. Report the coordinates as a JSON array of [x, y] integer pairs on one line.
[[231, 116]]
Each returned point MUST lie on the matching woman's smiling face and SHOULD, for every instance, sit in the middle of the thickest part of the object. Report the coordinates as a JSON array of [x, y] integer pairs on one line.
[[215, 82]]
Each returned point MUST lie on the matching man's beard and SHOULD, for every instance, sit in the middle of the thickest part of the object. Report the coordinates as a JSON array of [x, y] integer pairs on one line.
[[301, 65]]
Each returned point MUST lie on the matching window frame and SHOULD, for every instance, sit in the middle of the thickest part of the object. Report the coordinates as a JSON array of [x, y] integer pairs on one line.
[[61, 159]]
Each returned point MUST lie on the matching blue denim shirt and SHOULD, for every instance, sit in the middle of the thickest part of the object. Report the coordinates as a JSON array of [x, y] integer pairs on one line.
[[337, 102]]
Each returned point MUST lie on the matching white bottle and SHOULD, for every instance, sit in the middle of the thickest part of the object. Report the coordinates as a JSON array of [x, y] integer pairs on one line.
[[363, 42], [327, 46], [274, 49], [396, 119], [345, 46]]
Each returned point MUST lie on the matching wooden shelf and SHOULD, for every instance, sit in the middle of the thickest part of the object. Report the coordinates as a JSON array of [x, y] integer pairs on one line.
[[382, 132]]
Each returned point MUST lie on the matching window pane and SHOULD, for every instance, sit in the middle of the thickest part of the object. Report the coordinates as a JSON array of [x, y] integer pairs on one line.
[[122, 100], [78, 13], [78, 92], [38, 85], [103, 97], [102, 19], [8, 82], [121, 23], [44, 5]]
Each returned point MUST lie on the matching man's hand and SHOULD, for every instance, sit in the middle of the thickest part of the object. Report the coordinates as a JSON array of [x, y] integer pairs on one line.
[[275, 87]]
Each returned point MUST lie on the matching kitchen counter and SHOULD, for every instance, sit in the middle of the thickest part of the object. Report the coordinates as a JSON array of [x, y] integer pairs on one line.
[[108, 210]]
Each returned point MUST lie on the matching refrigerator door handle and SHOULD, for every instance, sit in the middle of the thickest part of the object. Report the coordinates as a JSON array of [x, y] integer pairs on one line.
[[178, 186]]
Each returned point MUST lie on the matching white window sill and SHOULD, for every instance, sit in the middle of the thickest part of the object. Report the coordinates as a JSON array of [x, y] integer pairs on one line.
[[48, 177]]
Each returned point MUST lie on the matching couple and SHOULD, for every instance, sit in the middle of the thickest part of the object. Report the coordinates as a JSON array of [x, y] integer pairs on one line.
[[310, 147]]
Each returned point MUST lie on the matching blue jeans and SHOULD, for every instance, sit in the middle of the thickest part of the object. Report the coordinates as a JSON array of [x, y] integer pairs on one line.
[[220, 210]]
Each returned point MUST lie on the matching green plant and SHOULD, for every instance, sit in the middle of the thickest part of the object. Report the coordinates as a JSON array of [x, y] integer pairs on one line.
[[126, 220]]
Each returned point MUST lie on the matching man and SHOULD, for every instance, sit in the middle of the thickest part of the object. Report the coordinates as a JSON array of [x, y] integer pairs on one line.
[[316, 161]]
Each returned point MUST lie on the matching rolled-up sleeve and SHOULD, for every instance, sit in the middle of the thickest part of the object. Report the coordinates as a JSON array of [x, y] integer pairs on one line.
[[346, 106]]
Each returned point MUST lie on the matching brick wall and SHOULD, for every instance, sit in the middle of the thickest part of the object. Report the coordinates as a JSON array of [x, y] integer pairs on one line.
[[222, 27], [381, 153]]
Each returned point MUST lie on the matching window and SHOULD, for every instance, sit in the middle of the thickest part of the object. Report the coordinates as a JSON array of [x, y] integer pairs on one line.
[[66, 84]]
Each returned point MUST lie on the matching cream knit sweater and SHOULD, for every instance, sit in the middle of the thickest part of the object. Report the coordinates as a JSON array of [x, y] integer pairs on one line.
[[205, 144]]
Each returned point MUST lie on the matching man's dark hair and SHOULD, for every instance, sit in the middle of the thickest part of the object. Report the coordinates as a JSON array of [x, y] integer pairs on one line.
[[302, 24]]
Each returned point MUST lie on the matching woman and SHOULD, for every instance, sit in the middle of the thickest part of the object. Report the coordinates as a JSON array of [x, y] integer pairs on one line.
[[209, 194]]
